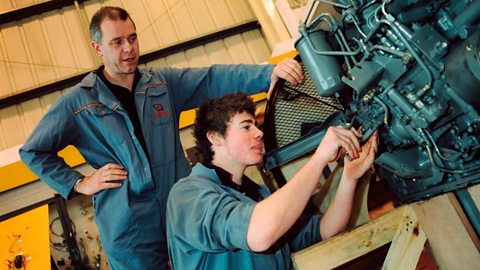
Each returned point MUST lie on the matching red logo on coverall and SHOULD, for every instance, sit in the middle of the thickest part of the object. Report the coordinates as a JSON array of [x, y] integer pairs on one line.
[[159, 111]]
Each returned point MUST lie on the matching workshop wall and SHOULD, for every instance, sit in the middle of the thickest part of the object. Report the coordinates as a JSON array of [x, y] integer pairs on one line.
[[50, 47]]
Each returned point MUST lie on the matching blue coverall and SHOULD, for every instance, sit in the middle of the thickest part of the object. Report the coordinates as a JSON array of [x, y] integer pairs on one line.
[[207, 225], [131, 219]]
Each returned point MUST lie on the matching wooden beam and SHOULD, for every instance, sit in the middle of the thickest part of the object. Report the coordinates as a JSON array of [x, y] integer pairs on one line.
[[343, 248], [439, 219], [407, 244], [451, 245]]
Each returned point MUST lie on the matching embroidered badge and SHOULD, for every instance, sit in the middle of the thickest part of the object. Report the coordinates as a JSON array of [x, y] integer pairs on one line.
[[158, 107], [159, 111]]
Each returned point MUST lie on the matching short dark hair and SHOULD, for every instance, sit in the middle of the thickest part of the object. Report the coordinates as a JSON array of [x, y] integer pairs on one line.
[[108, 12], [214, 116]]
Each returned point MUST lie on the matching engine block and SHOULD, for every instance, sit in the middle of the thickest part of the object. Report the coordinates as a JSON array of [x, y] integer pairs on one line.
[[411, 70]]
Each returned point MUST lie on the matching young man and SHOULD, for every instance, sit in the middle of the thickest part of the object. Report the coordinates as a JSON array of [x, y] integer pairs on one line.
[[124, 121], [217, 218]]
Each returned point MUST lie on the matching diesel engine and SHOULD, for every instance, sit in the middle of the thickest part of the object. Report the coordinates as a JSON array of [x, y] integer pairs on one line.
[[409, 68]]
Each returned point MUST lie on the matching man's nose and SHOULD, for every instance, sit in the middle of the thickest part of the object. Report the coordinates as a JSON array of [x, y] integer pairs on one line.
[[127, 46], [259, 133]]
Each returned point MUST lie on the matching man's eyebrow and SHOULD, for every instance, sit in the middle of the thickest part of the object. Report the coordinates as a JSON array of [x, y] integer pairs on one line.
[[118, 38], [115, 39], [247, 121]]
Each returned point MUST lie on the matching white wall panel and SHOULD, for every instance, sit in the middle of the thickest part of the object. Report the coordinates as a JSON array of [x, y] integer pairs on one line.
[[55, 45], [162, 23], [23, 3], [90, 7], [42, 49], [156, 63], [118, 3], [76, 32], [272, 24], [201, 15], [37, 48], [6, 76], [182, 18], [247, 48], [221, 13], [31, 112], [17, 56], [18, 121], [12, 126], [217, 53], [47, 101], [146, 33], [197, 57], [60, 46], [240, 10], [257, 46], [177, 60], [6, 6], [238, 50]]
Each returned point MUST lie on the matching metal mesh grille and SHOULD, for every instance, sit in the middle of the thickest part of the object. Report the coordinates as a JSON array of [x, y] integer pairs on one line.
[[297, 105]]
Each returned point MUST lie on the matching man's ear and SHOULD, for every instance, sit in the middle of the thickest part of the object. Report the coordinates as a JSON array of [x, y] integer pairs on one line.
[[214, 137], [97, 48]]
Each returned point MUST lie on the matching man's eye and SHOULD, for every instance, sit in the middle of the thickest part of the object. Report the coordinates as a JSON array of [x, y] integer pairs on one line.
[[132, 39], [117, 42]]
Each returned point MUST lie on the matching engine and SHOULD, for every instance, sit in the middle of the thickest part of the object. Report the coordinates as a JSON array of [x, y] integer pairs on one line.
[[409, 68]]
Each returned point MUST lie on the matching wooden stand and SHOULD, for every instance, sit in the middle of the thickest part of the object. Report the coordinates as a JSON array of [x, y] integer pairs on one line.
[[439, 221]]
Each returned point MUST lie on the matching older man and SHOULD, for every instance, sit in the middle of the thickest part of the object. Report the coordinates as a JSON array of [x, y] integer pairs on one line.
[[124, 121]]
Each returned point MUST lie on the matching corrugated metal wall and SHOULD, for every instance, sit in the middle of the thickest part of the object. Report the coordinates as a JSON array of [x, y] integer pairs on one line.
[[45, 48]]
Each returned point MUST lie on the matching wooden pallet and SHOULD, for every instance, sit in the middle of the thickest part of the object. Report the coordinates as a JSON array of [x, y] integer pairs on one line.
[[439, 221]]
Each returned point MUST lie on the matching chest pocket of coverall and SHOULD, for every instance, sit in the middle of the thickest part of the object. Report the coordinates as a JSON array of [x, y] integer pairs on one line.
[[110, 123], [158, 106]]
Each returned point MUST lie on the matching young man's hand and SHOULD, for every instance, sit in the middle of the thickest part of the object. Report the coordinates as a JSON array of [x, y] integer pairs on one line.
[[355, 168], [289, 70], [337, 142]]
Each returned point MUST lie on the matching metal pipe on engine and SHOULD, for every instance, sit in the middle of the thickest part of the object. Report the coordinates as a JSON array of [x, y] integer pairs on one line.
[[412, 52]]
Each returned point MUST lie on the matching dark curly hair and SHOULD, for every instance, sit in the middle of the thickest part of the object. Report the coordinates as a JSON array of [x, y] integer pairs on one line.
[[214, 115], [111, 13]]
